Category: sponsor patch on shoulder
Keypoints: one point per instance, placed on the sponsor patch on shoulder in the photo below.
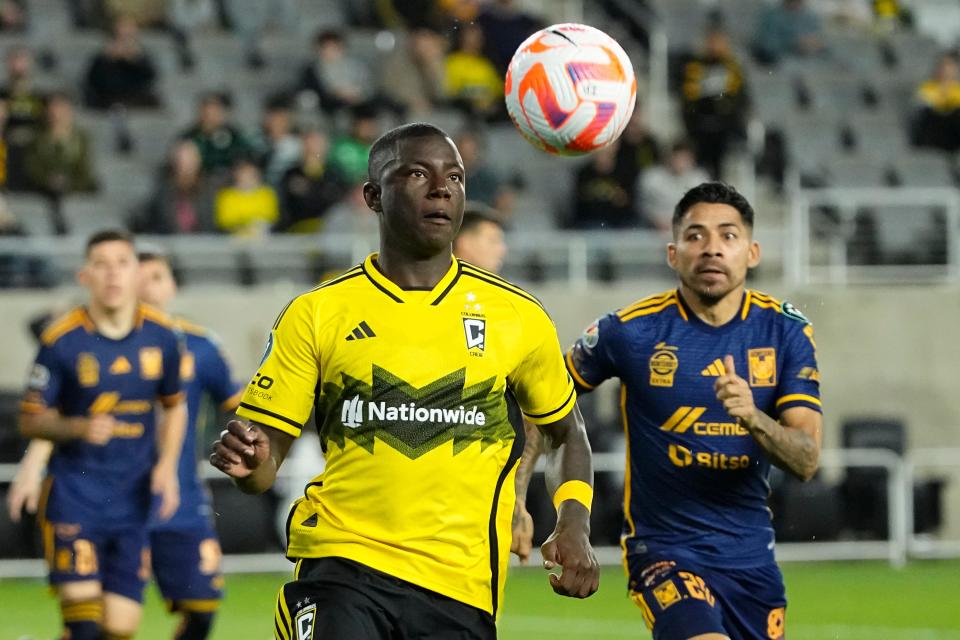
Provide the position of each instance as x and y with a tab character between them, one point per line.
788	309
591	335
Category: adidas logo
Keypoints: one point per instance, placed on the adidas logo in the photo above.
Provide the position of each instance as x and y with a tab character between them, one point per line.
361	331
715	369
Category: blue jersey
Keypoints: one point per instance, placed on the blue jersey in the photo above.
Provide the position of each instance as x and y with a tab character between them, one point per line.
203	370
81	373
696	481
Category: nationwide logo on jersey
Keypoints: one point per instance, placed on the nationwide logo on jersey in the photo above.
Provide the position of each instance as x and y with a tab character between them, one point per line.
120	366
715	369
663	365
88	370
763	367
151	363
414	420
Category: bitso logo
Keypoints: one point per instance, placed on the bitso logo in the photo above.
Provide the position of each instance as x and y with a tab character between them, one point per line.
475	330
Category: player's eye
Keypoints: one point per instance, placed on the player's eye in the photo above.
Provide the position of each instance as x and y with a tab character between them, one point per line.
456	177
416	173
730	235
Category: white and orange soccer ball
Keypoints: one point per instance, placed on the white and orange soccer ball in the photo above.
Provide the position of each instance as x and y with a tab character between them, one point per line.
570	89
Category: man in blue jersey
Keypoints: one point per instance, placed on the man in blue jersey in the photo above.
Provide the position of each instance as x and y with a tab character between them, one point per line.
185	550
717	382
100	374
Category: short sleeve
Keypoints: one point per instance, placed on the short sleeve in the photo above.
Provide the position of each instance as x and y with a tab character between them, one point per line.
800	376
281	393
169	389
540	382
45	382
218	379
590	360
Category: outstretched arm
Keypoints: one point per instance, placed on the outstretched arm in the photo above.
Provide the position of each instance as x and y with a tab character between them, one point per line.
569	477
793	444
251	454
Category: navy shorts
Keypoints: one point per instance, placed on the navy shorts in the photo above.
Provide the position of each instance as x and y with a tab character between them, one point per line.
680	599
187	567
116	557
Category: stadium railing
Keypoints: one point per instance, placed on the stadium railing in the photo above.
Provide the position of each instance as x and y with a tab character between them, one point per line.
901	545
828	225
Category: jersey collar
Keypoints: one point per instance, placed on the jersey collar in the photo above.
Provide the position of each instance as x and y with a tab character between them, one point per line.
694	320
372	270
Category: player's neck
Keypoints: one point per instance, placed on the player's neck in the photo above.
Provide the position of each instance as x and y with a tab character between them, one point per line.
113	323
715	313
413	273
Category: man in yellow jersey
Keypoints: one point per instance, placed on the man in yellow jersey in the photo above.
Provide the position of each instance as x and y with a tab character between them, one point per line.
406	359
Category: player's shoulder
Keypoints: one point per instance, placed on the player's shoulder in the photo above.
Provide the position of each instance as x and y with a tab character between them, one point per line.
196	334
151	316
760	306
491	283
650	309
342	287
72	321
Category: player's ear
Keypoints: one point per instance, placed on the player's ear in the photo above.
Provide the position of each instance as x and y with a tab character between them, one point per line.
753	258
371	195
672	255
81	276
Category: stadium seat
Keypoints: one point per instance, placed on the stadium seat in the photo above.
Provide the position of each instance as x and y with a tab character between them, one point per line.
804	511
881	134
923	169
855	172
32	212
864	489
87	214
244	523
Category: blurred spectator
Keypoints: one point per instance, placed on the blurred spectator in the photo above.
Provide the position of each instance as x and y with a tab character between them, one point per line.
182	198
639	149
714	100
858	13
413	75
58	161
250	19
145	13
602	198
409	14
337	79
480	238
122	73
184	19
276	145
788	29
483	182
660	186
220	143
246	206
88	14
471	81
309	189
13	16
936	120
505	27
348	155
3	144
25	112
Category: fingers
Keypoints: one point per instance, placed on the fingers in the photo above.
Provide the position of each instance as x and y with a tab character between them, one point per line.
578	579
14	504
33	501
242	431
729	367
169	504
551	556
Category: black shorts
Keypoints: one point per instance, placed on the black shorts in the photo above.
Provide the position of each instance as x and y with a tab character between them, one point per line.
335	598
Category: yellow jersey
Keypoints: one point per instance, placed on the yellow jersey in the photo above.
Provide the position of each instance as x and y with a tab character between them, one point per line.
408	389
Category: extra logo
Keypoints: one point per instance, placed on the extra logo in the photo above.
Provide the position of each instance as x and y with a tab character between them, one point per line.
763	367
475	330
663	365
304	622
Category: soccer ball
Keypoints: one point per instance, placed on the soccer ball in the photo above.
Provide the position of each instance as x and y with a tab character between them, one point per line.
570	89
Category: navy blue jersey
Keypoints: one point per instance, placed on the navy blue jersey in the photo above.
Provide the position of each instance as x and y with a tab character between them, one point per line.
203	370
695	479
81	373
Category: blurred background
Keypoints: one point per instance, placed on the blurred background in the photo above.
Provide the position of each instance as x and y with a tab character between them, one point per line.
233	134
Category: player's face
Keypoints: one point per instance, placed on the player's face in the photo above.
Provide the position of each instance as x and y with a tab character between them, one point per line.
110	273
420	196
713	250
484	247
157	286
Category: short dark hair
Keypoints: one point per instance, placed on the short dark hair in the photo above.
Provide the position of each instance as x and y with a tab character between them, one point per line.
325	36
107	235
386	145
474	216
149	255
713	193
